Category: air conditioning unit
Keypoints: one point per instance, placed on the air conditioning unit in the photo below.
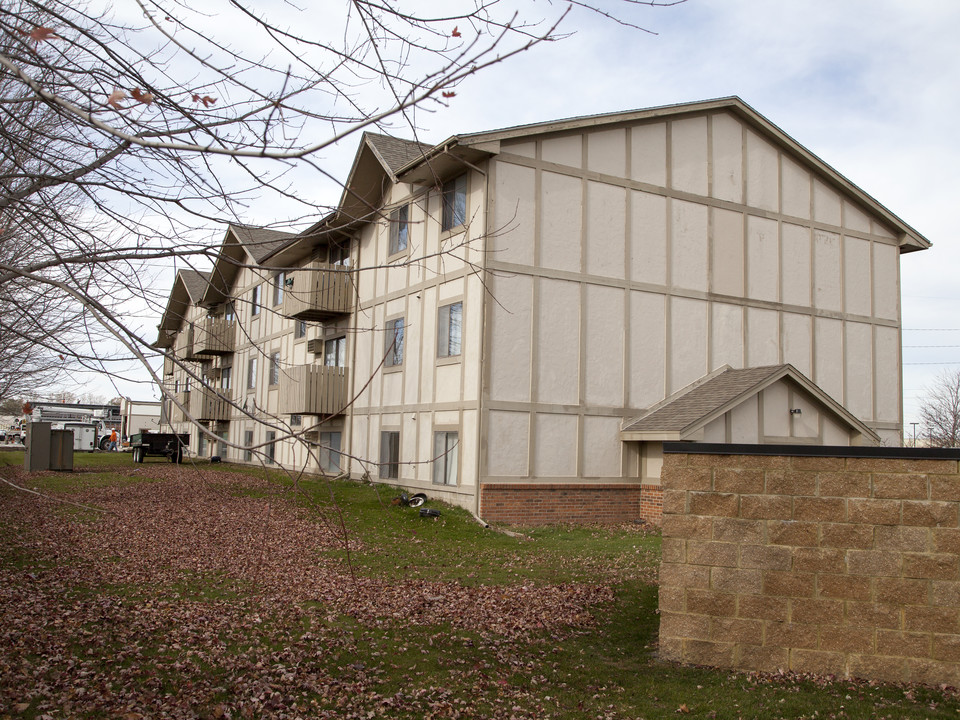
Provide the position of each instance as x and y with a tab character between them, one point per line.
315	346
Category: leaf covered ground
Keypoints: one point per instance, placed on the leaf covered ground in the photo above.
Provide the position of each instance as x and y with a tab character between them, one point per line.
192	592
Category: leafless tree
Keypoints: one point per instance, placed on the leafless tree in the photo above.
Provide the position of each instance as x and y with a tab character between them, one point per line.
126	126
940	411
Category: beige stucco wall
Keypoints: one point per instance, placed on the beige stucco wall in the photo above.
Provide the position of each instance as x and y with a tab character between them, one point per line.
641	258
425	393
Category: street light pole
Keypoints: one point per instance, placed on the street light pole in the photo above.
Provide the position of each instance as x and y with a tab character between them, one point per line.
914	433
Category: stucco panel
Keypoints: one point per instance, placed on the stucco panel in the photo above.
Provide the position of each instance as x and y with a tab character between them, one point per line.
392	388
566	150
526	148
558	351
886	278
796	188
448	383
647	349
511	238
726	336
854	218
688	249
745	421
807	423
796	265
648	154
763	259
776	410
606	225
727	136
828	370
560	220
555	438
833	432
688	154
763	173
648	238
856	275
827	271
797	333
858	354
509	318
715	431
887	344
607	152
468	449
603	325
727	251
826	203
763	337
688	346
508	435
601	447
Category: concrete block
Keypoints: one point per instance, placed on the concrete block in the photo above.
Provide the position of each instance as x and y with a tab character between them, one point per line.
814	611
874	563
873	667
819	560
945	488
738	481
735	580
945	593
791	482
900	591
673	550
872	615
843	587
844	484
737	530
900	486
709	552
766	557
902	539
817	464
928	513
684	576
844	535
686	526
931	565
789	584
714	504
711	602
873	512
763	608
766	507
684	625
790	635
946	540
818	662
717	654
672	599
930	619
793	533
737	630
763	658
904	644
847	639
816	509
686	478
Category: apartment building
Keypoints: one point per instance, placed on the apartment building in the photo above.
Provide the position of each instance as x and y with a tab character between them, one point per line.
516	320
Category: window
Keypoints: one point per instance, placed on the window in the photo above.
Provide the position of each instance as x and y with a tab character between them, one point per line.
454	203
202	444
300	329
247	444
222	444
225	375
271	448
393	343
251	373
330	452
255	302
399	229
445	458
449	330
278	281
274	368
389	454
229	313
339	253
296	420
335	352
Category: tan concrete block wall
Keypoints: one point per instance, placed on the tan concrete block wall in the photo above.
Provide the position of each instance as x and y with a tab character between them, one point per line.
848	566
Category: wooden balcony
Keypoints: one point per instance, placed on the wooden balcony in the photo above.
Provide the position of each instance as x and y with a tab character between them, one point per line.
214	336
319	291
206	405
186	348
313	390
167	366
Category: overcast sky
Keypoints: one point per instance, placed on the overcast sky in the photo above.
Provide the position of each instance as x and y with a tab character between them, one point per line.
870	86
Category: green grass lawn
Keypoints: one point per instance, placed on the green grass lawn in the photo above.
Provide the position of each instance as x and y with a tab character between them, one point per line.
392	669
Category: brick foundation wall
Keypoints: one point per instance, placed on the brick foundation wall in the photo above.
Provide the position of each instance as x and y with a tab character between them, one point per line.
849	566
543	504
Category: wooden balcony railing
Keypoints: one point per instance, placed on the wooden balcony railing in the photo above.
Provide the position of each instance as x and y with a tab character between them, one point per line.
205	405
167	366
319	291
313	390
214	336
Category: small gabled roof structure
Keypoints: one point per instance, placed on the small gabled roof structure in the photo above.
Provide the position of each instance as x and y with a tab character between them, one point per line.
188	289
242	245
682	415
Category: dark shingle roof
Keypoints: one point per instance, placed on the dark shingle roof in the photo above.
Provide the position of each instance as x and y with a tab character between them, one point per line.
196	283
260	242
686	407
396	152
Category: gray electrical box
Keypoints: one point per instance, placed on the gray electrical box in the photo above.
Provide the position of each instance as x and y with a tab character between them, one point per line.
48	449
